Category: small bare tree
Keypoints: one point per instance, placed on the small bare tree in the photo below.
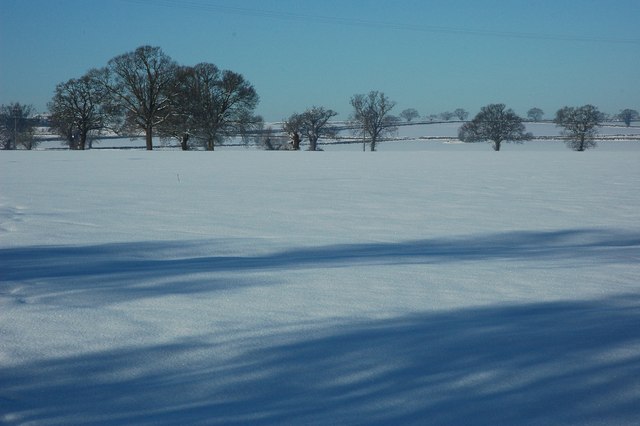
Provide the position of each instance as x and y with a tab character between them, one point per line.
371	115
496	124
266	140
292	126
409	114
17	127
314	125
580	125
535	114
628	115
446	116
461	114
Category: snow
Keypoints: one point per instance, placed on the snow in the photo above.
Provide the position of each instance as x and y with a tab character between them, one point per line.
428	283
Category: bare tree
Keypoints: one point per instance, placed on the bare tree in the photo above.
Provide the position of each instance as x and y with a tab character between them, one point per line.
535	114
580	125
230	105
179	124
292	126
371	113
409	114
7	134
209	106
446	116
266	141
461	114
17	127
77	109
314	125
140	85
628	115
496	124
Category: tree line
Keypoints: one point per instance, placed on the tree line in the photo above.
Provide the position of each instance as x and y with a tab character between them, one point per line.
145	92
494	123
497	124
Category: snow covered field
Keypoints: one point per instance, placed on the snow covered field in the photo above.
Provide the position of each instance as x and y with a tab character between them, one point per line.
453	285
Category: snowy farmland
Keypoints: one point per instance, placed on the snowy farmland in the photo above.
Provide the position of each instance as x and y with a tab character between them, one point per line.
451	285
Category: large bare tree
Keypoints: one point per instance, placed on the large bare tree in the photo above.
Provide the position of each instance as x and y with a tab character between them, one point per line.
226	108
77	109
494	123
210	106
371	116
141	84
580	125
182	121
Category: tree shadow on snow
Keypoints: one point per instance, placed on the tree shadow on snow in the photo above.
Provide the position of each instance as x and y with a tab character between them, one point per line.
562	363
581	245
125	271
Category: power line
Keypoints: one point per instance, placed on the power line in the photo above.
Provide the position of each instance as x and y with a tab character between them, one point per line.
353	22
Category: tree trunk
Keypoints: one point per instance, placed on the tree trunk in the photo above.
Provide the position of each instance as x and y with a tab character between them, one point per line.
70	140
296	142
149	138
210	145
268	144
496	145
373	144
83	141
183	142
313	144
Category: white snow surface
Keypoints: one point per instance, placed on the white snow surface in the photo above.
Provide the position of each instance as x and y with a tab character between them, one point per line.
448	286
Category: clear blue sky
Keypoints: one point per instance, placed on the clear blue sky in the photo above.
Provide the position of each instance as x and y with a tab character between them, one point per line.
429	55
